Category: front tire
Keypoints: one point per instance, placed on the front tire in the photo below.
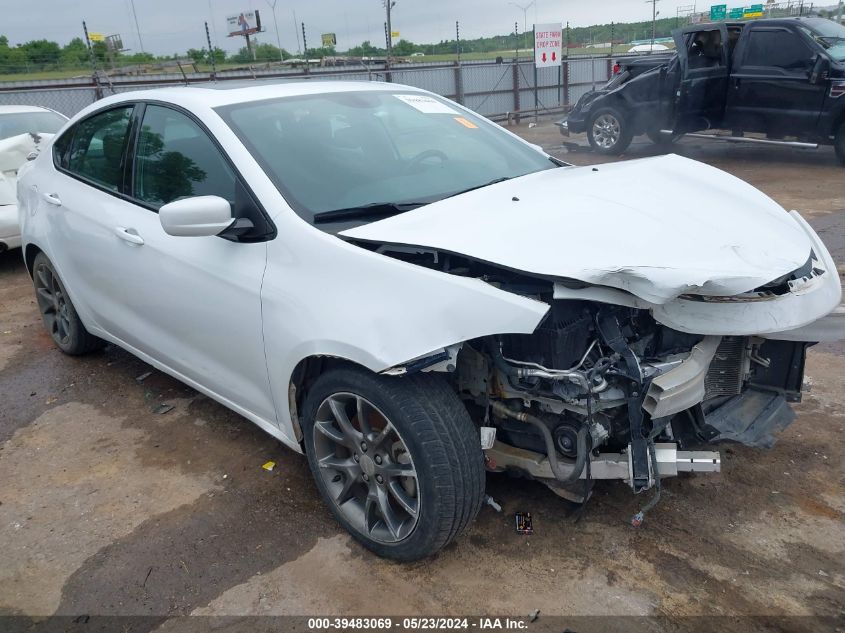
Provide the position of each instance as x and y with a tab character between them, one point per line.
839	143
396	459
608	132
57	311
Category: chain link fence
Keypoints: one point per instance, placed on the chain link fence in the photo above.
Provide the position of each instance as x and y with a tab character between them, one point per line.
502	91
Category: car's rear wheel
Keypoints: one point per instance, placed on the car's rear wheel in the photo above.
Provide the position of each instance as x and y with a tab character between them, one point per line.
57	311
608	131
839	143
397	459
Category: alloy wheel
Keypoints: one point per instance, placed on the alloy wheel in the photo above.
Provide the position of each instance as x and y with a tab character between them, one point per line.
53	304
366	468
606	131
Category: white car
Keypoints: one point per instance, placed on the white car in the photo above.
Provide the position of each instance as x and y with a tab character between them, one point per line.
22	131
410	294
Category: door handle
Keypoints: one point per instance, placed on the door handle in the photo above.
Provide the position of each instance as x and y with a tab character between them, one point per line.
128	235
52	198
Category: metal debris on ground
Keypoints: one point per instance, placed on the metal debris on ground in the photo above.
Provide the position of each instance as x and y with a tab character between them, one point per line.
534	615
524	524
269	466
492	503
162	409
143	376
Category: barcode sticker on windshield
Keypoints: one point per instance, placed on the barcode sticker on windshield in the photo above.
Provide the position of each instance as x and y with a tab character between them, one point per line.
426	104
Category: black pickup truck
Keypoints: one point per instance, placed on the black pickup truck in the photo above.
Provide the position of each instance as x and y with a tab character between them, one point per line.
776	81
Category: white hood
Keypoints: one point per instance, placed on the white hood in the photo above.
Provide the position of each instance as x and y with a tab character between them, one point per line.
655	227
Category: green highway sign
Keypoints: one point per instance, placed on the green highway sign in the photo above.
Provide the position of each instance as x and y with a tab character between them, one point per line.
754	11
736	14
718	12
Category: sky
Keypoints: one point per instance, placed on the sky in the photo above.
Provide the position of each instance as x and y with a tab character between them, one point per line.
170	26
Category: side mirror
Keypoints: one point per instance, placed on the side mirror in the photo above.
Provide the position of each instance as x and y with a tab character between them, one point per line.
200	216
821	69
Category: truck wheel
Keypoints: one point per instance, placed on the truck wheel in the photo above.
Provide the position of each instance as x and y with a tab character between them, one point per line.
839	143
609	132
397	460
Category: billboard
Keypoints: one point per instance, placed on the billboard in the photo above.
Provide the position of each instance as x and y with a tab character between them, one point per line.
244	23
329	39
548	45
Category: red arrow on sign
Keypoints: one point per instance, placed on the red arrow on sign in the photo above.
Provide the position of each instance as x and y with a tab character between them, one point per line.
554	56
544	57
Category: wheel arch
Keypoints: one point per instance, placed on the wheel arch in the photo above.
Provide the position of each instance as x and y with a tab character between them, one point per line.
303	376
29	254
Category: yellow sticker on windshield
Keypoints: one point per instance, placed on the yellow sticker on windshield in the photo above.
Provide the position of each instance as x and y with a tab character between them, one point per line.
466	122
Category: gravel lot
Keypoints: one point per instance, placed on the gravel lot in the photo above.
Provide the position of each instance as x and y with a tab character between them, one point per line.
108	508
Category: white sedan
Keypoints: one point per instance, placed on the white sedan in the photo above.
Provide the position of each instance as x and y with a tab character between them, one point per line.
22	131
411	295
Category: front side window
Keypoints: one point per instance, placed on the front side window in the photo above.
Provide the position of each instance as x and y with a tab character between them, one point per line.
778	49
347	150
829	35
97	147
175	159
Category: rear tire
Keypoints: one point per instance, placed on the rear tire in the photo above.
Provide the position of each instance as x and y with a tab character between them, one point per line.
57	311
407	496
609	132
839	143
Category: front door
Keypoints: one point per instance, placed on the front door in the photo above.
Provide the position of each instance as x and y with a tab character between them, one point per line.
770	89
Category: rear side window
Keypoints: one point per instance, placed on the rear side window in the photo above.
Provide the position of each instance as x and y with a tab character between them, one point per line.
97	147
176	159
777	49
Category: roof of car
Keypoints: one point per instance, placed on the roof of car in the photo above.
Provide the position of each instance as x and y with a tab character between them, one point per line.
18	109
221	93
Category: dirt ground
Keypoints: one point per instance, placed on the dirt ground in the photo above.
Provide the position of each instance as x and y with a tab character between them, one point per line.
110	508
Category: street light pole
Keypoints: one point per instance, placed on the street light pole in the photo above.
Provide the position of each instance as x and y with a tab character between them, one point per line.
524	18
137	28
272	6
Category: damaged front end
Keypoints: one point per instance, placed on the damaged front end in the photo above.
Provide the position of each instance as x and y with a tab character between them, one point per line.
606	392
601	390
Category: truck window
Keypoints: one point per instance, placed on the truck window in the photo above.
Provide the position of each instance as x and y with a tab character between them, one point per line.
705	49
777	49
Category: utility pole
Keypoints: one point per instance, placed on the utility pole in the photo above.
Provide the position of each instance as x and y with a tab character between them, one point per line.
211	52
653	4
839	13
388	5
524	9
296	30
137	30
272	6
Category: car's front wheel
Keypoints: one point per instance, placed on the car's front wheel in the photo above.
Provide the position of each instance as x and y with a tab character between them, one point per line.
608	131
397	459
58	313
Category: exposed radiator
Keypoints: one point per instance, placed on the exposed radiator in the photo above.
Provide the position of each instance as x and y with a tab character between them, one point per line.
728	368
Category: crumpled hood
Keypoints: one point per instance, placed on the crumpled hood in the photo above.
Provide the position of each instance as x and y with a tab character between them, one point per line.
656	227
13	153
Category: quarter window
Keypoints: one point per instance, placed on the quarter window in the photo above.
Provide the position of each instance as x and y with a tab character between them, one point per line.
176	159
97	147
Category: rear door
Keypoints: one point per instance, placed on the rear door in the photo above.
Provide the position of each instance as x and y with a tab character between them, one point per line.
770	89
704	69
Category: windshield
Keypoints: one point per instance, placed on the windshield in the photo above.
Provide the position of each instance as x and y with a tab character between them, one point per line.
830	35
346	150
16	123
